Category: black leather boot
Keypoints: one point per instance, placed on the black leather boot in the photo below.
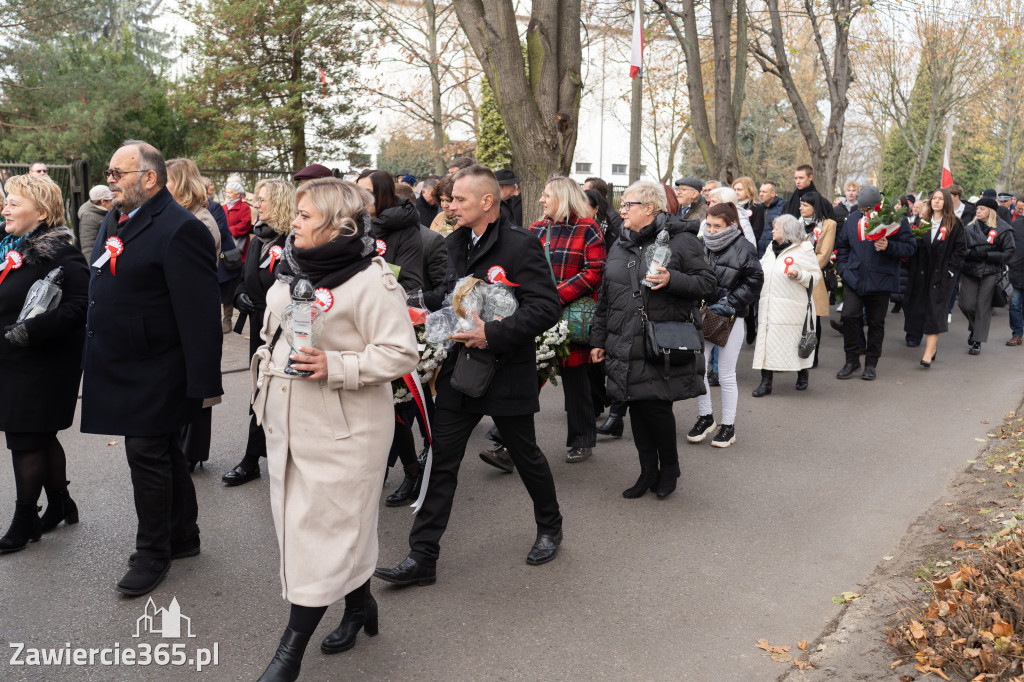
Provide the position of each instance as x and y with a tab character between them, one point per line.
287	662
360	613
24	528
801	380
648	481
408	490
59	507
766	384
613	424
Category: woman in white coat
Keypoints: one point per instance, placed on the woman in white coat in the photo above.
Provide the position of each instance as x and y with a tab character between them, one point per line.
790	268
328	434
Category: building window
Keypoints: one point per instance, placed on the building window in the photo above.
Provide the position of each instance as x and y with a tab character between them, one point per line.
620	169
582	167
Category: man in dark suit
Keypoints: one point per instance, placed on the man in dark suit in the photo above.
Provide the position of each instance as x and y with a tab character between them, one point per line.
511	202
152	351
489	248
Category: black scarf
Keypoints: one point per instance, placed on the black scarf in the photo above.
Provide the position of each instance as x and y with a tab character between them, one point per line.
328	265
779	248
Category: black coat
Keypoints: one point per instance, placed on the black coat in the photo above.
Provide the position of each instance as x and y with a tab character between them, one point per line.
617	325
153	334
514	390
970	210
738	273
931	273
613	228
984	259
512	209
41	380
399	228
866	270
435	258
793	203
1017	260
426	210
257	280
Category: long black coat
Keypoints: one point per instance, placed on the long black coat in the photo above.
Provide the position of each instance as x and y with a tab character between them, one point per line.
153	334
617	325
514	390
435	258
739	275
1017	260
41	380
931	273
984	259
512	209
398	228
256	281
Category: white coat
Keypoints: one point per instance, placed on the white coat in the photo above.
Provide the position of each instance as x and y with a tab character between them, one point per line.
328	439
783	307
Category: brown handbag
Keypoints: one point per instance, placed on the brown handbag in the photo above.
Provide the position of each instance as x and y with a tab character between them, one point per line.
716	328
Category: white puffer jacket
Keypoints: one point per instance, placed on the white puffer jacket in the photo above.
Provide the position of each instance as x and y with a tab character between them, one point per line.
783	307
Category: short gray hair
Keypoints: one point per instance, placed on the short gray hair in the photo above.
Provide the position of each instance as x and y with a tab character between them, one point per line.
792	229
150	158
648	192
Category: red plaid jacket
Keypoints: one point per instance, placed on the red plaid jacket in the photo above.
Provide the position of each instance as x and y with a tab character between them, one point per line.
578	255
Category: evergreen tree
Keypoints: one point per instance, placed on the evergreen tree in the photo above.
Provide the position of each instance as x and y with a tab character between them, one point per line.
493	148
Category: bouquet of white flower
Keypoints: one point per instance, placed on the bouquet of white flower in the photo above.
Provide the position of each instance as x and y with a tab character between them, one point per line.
552	345
431	357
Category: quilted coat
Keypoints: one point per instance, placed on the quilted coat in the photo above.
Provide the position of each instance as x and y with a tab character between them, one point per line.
738	273
783	307
617	325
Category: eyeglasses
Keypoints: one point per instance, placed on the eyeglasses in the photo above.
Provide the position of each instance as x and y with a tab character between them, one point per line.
624	206
116	175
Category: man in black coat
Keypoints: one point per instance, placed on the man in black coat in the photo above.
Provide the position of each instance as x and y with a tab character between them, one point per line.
803	178
487	247
511	202
152	351
1016	266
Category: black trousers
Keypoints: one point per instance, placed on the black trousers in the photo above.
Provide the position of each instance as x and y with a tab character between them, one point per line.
579	407
451	433
165	499
598	392
870	306
654	434
196	436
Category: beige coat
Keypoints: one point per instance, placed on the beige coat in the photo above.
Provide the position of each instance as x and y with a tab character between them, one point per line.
328	439
823	250
783	307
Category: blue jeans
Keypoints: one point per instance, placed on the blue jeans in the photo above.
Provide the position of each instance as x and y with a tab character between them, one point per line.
1016	313
713	360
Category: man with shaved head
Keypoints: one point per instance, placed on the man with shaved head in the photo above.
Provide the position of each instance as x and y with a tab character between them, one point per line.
491	249
152	351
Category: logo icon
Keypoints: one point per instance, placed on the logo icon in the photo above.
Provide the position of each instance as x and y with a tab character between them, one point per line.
164	622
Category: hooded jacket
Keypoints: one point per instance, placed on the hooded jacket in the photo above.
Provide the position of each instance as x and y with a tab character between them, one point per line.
397	231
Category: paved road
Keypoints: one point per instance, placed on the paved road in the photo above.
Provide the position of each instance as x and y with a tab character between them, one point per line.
819	486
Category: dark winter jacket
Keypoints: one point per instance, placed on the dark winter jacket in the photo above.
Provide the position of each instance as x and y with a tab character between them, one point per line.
1017	260
842	211
738	273
397	231
41	380
512	209
613	228
257	279
426	210
90	217
617	325
967	217
153	331
435	258
793	203
931	274
866	270
767	216
226	242
514	389
984	258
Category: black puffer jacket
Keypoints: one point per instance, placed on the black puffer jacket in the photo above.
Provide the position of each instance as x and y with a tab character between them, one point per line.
398	228
983	258
739	274
617	325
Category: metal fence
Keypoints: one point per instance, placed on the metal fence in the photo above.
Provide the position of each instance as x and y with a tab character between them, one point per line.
72	180
249	177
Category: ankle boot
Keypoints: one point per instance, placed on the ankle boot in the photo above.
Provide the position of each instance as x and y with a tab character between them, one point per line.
766	384
360	613
801	380
612	425
648	481
24	528
59	507
408	490
285	665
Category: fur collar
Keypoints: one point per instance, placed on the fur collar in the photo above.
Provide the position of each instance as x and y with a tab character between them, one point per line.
43	243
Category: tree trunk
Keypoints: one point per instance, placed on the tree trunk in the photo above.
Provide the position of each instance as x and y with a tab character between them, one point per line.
1009	161
437	123
297	119
538	99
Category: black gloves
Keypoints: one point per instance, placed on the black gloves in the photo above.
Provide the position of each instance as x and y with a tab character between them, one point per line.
244	304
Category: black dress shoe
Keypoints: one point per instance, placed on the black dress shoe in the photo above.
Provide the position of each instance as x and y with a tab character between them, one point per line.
847	371
143	577
240	475
499	458
407	492
612	426
409	572
287	661
835	325
184	550
544	549
869	373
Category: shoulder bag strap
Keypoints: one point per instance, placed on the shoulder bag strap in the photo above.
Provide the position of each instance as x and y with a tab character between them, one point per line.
634	282
547	251
809	316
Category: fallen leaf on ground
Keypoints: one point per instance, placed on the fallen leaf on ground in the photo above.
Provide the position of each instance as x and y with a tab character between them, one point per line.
782	658
802	645
1002	629
942	529
959	545
896	664
922	668
845	597
804	665
763	644
113	442
917	629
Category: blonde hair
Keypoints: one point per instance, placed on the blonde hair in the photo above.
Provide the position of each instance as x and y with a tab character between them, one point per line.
189	190
749	188
342	204
569	197
852	184
648	192
281	201
993	218
41	191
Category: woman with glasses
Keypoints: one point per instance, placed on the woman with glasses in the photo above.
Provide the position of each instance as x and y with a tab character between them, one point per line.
239	215
275	209
671	292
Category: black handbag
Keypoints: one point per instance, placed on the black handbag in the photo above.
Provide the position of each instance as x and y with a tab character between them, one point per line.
808	339
232	260
474	371
668	342
1003	291
830	277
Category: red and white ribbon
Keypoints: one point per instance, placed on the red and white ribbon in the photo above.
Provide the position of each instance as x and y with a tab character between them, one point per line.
13	261
273	257
496	275
991	236
942	233
412	382
382	247
817	234
324	299
862	228
115	247
788	261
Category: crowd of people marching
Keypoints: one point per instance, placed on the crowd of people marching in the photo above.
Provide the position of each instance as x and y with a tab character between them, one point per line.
664	293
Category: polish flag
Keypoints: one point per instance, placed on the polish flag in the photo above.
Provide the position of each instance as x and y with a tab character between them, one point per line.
636	57
947	175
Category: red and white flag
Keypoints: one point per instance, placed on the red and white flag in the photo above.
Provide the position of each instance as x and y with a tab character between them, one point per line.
636	56
947	175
